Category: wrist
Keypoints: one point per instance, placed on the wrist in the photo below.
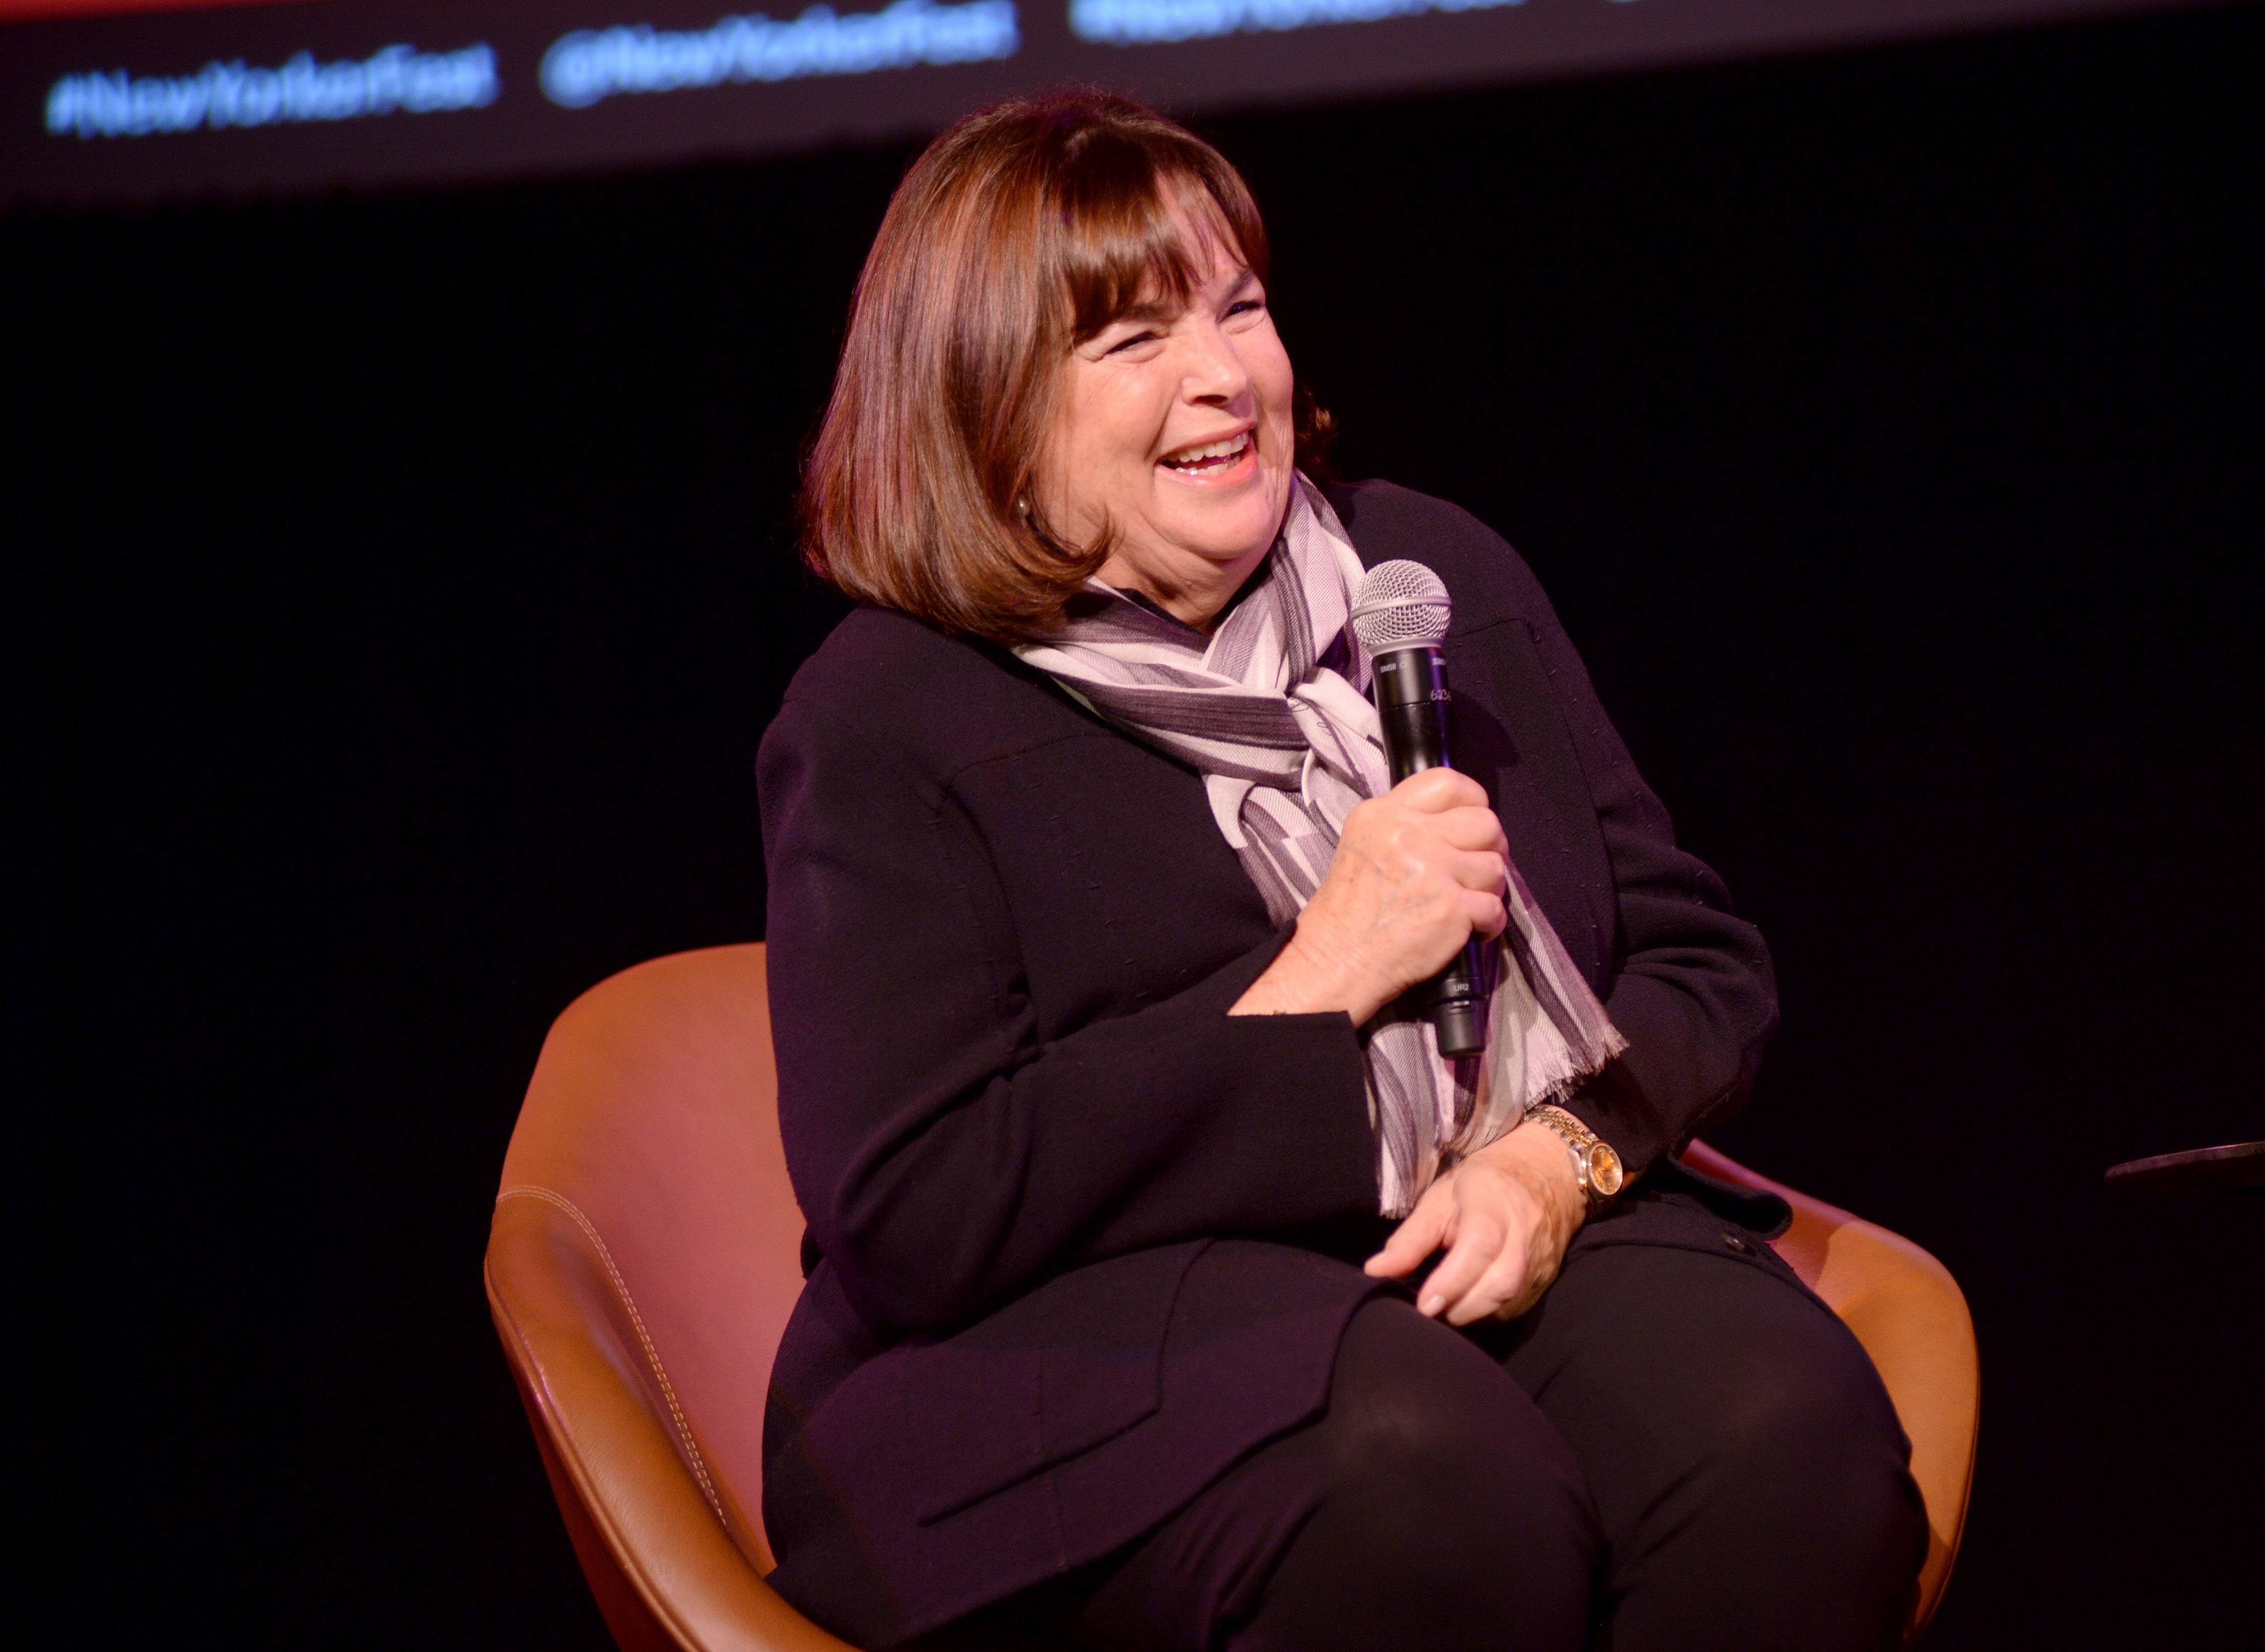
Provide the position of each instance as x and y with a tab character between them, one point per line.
1333	980
1593	1163
1539	1157
1536	1160
1305	979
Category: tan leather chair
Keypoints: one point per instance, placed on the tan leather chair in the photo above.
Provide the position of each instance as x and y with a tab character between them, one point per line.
644	1258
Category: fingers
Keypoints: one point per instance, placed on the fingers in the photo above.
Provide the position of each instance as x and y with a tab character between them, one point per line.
1405	821
1500	1258
1489	916
1465	825
1478	1243
1437	790
1540	1275
1471	828
1414	853
1475	868
1508	1284
1481	881
1417	872
1415	1238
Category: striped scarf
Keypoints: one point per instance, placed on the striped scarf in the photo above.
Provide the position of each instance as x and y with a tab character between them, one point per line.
1272	709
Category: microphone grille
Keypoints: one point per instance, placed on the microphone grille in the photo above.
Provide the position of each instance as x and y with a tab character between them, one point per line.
1400	605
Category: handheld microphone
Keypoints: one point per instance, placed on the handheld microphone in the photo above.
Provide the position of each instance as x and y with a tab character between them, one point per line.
1399	615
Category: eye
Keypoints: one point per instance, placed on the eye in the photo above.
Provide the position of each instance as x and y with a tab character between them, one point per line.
1144	336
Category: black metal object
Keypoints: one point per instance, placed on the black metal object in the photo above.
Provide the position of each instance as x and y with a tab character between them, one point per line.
1411	701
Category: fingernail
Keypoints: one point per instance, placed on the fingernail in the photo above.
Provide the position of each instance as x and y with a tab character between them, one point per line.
1430	1307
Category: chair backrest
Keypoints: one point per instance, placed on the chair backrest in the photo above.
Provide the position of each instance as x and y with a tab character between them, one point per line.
645	1256
1912	1319
642	1266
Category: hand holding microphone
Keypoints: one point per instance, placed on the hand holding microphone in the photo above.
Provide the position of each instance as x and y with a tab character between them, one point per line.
1418	873
1400	617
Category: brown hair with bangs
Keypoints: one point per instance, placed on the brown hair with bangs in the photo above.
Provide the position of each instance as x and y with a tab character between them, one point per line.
1022	231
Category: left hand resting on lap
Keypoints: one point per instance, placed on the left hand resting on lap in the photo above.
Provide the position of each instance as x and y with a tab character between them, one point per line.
1505	1215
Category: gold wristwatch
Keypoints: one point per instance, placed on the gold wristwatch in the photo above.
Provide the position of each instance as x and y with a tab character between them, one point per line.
1596	1163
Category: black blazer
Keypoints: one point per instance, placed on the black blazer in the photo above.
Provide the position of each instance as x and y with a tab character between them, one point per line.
1079	1240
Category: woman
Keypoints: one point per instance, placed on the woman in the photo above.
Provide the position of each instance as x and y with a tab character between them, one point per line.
1166	1290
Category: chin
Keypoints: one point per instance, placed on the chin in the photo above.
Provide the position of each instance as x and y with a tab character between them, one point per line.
1225	539
1234	527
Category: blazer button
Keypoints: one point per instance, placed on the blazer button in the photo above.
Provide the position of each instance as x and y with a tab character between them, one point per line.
1740	1243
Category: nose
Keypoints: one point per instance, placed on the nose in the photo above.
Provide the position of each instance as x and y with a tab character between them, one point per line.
1214	373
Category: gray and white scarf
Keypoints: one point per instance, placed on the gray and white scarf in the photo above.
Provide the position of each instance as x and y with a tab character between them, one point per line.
1272	708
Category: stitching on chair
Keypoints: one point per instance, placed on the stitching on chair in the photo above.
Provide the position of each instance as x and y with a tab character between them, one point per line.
651	1354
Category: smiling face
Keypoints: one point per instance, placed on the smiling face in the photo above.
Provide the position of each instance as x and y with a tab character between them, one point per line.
1173	429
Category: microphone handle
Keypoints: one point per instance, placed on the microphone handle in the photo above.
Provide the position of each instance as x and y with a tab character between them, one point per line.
1412	703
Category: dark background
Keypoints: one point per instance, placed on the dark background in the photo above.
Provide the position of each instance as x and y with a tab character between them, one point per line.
399	588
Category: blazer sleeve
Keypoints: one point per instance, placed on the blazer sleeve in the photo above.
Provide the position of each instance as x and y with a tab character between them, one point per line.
946	1156
1693	989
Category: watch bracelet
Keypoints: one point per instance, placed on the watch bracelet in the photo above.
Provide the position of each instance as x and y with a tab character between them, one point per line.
1580	1141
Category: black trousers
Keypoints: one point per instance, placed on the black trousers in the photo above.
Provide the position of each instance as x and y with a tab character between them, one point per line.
1680	1448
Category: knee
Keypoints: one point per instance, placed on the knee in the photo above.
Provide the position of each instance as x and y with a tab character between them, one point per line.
1412	1467
1812	1462
1426	1427
1414	1542
1815	1433
1438	1491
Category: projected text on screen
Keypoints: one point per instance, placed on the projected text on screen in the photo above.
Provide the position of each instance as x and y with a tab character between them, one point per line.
541	86
398	79
590	64
1151	22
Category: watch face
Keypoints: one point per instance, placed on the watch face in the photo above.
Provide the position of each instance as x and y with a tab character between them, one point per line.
1605	1172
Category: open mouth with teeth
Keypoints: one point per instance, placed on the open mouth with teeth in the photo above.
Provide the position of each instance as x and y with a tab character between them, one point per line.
1210	458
